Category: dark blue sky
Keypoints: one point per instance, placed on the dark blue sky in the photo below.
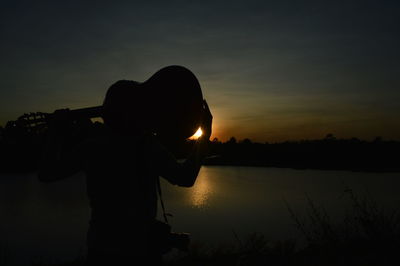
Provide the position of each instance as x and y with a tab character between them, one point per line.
270	70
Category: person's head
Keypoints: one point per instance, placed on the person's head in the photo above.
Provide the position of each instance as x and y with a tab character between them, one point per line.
122	107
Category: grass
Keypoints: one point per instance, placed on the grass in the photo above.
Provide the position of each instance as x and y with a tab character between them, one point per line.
254	250
368	234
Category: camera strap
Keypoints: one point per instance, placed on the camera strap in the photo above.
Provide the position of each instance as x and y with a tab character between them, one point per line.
158	185
165	214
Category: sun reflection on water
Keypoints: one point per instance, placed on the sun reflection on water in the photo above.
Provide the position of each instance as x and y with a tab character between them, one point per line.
201	191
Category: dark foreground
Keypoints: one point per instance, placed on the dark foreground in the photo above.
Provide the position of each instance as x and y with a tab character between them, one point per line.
367	235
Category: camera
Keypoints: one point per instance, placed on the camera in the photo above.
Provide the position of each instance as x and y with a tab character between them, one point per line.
164	239
180	241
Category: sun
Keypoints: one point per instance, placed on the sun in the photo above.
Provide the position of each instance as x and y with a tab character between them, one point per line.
197	135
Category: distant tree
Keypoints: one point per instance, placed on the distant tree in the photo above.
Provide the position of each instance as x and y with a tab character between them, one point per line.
330	136
355	140
378	139
216	141
246	141
232	140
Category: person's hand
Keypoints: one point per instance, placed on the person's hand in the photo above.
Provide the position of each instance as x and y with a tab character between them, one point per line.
206	121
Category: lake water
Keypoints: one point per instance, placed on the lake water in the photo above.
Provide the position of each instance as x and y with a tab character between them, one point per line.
49	221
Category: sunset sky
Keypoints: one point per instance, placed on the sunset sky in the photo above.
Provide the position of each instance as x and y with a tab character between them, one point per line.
270	70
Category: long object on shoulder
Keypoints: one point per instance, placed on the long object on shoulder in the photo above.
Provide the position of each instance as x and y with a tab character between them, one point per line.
171	100
39	119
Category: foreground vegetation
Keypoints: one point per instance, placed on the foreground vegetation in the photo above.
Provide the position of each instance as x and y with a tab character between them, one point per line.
367	235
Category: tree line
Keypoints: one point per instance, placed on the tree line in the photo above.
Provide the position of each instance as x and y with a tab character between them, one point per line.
329	153
20	150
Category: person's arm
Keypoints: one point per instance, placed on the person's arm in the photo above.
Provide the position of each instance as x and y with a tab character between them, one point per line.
185	173
61	155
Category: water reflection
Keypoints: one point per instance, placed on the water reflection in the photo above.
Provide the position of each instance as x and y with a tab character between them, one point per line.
50	220
201	192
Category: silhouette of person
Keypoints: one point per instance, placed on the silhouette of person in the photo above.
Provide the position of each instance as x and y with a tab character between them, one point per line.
122	164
